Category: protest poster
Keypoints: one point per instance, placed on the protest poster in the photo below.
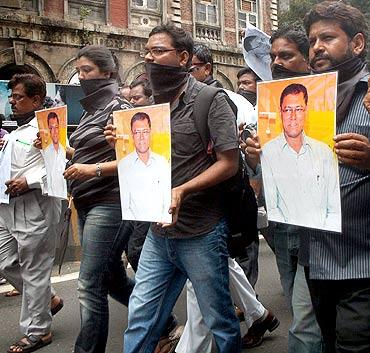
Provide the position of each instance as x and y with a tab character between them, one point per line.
52	124
296	126
143	152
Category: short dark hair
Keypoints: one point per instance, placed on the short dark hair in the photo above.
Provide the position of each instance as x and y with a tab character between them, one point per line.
144	83
102	57
140	116
349	19
53	115
294	34
204	54
33	85
294	88
247	70
181	40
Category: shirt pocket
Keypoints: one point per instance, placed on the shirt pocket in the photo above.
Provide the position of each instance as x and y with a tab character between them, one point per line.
185	139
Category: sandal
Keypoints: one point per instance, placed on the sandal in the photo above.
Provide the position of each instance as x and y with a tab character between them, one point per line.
33	343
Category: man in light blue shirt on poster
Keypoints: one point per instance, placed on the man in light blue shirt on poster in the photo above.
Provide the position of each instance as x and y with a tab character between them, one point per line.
300	174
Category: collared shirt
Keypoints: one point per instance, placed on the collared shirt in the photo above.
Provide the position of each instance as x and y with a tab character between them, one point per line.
200	211
145	188
27	160
347	256
55	162
301	188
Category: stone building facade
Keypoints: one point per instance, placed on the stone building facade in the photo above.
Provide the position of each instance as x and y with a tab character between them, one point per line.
43	36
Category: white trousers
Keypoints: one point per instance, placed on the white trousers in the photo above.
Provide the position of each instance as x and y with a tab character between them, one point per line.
27	247
197	338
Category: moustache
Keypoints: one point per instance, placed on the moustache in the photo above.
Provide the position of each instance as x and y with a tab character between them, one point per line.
318	57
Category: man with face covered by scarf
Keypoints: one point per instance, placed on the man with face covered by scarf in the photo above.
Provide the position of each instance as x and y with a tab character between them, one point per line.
339	265
194	245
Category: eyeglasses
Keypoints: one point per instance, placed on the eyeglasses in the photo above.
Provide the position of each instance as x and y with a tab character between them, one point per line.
297	110
155	52
16	97
139	132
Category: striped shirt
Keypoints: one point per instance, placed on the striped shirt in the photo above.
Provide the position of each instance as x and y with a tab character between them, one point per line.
336	256
91	147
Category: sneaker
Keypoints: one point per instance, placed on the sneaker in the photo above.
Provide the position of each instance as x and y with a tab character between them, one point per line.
254	336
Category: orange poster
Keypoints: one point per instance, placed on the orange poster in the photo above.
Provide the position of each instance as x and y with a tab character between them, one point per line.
53	132
296	126
143	152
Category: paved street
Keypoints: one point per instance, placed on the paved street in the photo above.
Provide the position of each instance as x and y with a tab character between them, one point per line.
66	323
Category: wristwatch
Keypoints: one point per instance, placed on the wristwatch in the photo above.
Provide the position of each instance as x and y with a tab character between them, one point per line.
98	170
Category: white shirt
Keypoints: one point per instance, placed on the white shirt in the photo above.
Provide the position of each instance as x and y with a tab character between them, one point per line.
145	189
246	113
55	163
301	188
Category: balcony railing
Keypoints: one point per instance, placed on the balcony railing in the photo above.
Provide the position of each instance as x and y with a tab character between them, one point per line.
210	34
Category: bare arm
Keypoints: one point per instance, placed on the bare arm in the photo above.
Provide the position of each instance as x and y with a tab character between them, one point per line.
87	171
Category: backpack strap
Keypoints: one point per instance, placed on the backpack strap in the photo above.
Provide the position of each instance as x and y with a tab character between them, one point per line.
202	104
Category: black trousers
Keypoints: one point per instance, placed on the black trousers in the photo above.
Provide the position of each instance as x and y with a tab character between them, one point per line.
138	231
342	309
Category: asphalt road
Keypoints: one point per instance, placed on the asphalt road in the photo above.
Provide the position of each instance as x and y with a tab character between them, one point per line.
66	323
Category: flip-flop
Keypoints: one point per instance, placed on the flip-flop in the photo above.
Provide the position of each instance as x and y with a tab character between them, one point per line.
34	343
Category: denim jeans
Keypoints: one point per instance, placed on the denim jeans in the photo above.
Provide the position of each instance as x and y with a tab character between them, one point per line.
103	238
304	333
164	266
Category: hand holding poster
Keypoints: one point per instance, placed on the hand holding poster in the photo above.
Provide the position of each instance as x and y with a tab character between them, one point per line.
143	152
296	125
53	132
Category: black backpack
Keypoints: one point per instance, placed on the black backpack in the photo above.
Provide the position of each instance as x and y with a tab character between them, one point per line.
239	200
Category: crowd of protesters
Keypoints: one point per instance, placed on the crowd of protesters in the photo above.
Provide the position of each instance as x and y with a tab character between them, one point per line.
325	276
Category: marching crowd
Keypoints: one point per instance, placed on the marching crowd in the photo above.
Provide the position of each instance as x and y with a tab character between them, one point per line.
325	275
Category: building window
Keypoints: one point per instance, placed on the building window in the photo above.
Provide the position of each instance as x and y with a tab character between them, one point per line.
247	13
27	5
146	4
207	12
31	5
93	10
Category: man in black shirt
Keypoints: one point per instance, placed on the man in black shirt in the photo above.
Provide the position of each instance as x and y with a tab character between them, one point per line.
194	245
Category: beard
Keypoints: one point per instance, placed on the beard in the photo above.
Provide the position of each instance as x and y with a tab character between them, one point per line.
333	62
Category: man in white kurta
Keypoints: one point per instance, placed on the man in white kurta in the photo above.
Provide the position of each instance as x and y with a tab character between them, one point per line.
300	174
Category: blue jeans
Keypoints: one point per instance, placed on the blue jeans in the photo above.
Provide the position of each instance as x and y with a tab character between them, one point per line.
103	238
164	266
304	333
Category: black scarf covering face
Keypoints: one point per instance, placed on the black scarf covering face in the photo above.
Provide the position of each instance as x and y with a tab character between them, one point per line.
99	92
279	72
251	97
166	81
349	73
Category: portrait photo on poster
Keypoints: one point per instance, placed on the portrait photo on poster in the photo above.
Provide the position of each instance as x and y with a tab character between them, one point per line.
143	151
296	126
52	124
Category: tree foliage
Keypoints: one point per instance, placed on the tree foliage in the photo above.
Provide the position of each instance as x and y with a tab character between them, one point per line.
298	9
